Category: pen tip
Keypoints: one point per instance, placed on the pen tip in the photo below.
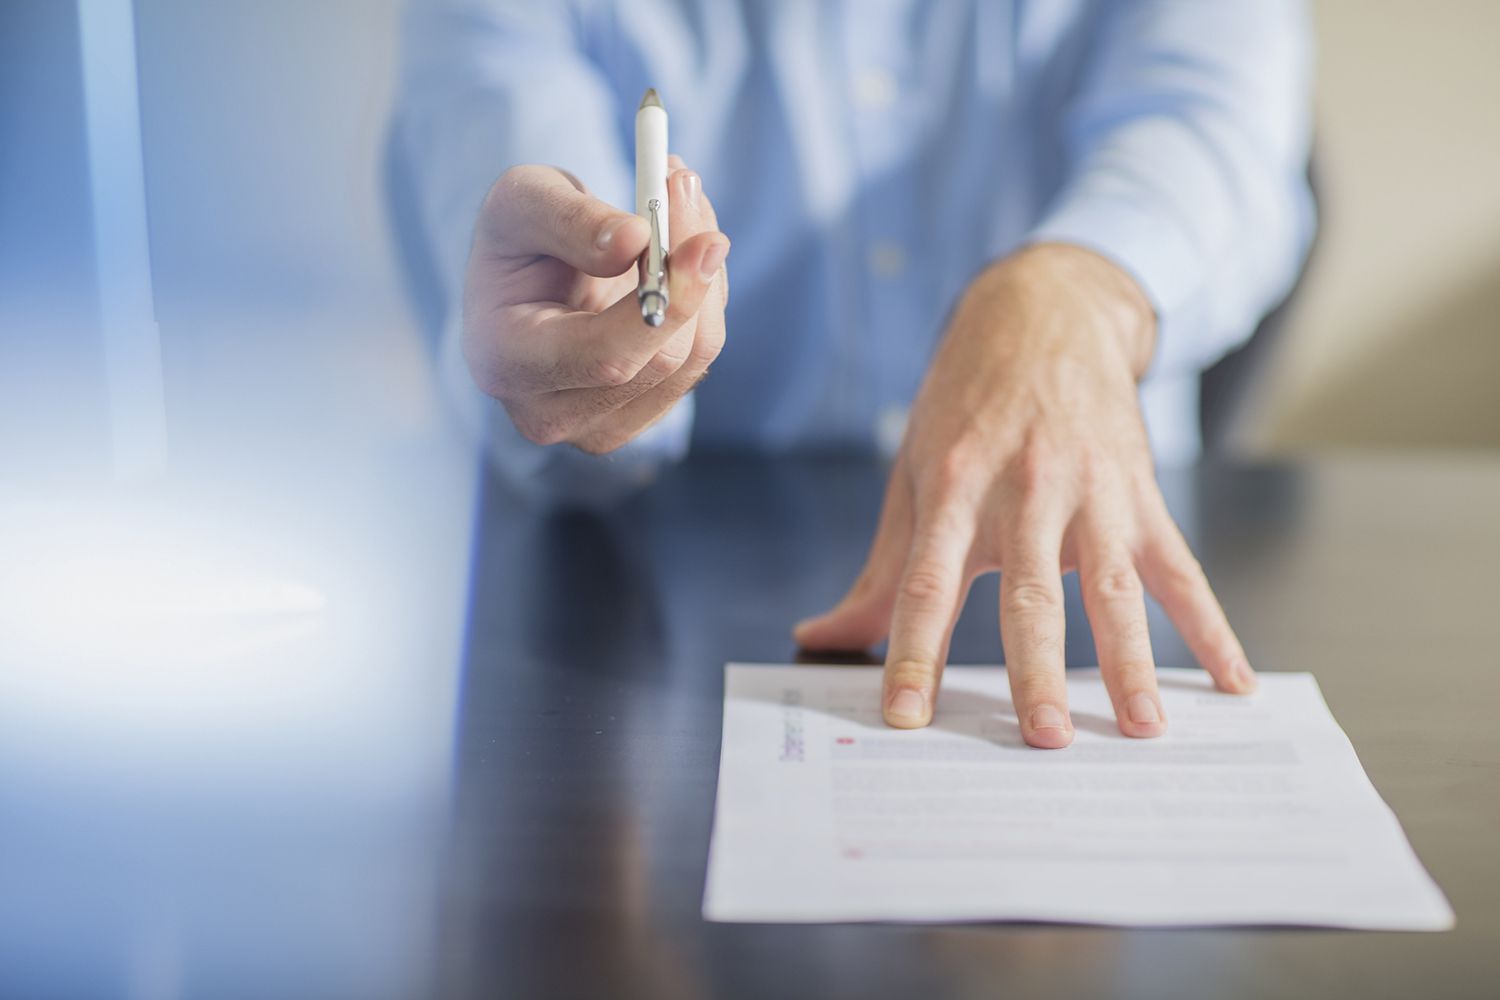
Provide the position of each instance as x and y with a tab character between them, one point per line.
650	100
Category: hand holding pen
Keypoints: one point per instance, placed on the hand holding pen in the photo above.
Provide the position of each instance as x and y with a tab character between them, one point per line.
554	298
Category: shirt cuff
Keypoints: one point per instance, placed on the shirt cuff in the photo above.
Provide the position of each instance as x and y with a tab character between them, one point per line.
1158	255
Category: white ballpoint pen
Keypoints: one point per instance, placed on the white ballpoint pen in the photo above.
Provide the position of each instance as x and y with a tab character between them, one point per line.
651	203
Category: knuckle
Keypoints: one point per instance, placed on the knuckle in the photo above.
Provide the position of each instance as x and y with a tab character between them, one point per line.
611	372
704	355
602	443
1116	583
951	474
924	584
666	361
539	430
1030	597
1094	473
524	422
550	434
1035	467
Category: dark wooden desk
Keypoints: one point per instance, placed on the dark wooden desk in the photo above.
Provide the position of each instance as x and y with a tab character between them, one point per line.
590	716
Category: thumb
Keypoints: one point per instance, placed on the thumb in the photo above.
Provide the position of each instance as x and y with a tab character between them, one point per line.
535	210
863	617
859	621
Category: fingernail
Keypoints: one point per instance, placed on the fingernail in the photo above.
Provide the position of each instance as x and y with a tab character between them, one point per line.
908	705
691	185
607	234
1141	708
713	259
1048	717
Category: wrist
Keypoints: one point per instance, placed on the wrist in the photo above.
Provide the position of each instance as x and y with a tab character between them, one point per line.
1112	303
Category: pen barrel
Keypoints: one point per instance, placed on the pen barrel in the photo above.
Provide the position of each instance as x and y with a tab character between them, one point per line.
652	292
651	166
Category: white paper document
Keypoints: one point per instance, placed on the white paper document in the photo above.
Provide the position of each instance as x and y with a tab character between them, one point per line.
1251	810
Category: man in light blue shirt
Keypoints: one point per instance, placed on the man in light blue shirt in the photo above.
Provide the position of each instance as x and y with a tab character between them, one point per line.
997	239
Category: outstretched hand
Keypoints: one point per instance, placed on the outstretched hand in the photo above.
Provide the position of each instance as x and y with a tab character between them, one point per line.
1026	453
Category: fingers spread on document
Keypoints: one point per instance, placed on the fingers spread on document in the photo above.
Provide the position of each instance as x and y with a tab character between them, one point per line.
1116	605
1172	573
934	580
1032	621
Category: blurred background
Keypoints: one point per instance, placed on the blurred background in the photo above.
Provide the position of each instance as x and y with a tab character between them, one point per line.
1394	339
1392	342
230	639
264	126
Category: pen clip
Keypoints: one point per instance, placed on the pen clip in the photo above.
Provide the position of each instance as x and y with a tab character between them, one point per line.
652	292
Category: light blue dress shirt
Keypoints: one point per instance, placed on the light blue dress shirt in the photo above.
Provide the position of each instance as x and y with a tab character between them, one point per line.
867	158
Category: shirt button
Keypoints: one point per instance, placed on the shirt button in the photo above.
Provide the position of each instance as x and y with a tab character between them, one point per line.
874	89
887	259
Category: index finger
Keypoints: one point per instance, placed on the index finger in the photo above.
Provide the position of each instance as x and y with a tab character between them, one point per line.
535	210
927	602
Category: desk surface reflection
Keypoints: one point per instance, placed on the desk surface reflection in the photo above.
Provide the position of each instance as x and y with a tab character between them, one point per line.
590	715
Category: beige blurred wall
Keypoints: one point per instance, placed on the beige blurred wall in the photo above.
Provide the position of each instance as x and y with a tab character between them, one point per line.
1394	340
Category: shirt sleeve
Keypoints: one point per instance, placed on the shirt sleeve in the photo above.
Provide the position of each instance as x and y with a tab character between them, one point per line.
486	85
1187	145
